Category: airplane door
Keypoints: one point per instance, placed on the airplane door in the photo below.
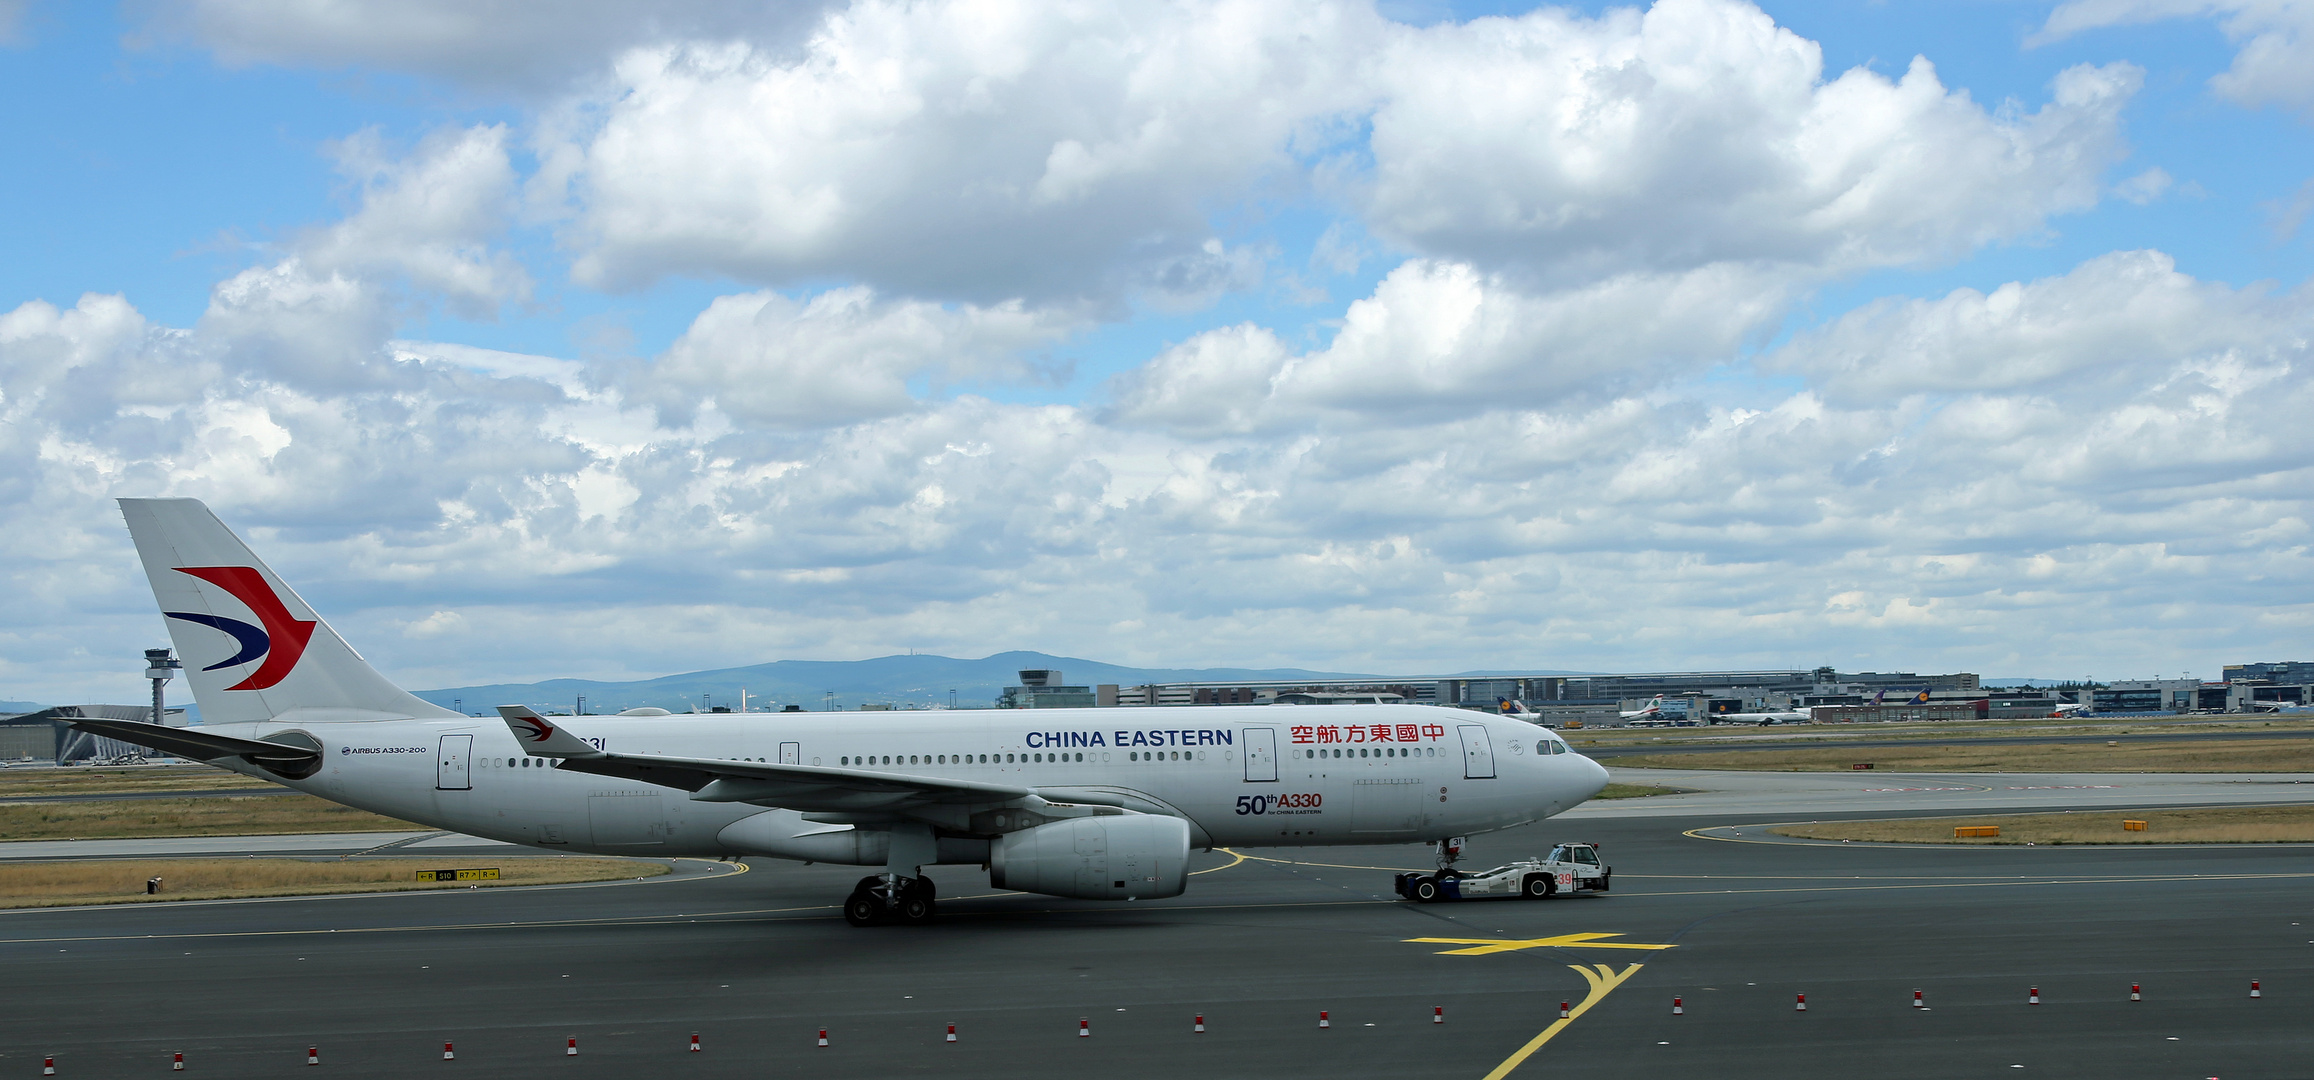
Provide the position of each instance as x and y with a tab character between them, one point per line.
453	762
1477	753
1261	753
789	753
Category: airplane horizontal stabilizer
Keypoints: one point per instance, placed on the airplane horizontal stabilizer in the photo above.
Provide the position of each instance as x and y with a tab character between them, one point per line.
194	743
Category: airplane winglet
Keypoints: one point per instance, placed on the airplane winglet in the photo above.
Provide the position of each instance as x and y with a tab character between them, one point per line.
543	738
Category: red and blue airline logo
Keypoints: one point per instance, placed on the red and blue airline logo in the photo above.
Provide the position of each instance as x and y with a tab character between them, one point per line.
281	640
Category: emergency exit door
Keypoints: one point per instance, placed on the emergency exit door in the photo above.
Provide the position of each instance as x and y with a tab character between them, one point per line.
1261	753
790	753
452	763
1477	753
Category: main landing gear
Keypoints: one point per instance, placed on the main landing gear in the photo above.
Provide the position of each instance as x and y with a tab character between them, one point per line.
889	898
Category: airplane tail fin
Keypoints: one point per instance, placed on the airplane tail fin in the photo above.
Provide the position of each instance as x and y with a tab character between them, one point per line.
253	649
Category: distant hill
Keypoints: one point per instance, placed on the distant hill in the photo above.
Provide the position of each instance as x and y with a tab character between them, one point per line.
893	680
20	706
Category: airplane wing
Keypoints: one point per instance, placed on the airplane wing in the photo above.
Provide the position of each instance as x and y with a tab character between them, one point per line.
193	742
808	788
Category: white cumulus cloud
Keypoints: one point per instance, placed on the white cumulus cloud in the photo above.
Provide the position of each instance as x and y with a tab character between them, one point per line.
2274	61
1701	132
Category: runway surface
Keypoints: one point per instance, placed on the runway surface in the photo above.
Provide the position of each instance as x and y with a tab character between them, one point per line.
757	963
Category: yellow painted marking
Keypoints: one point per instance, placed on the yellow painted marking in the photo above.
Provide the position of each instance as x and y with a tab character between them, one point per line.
1489	946
1239	858
1603	980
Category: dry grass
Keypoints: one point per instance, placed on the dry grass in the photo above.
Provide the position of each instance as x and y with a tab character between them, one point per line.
245	815
1835	734
106	881
1637	791
79	780
2242	755
2208	825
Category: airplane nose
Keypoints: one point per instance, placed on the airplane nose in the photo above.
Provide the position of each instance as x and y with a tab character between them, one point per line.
1598	776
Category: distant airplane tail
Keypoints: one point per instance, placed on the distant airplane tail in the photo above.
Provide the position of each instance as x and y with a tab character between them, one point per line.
253	649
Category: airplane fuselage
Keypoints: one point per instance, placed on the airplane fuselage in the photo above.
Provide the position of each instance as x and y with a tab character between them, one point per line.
1269	776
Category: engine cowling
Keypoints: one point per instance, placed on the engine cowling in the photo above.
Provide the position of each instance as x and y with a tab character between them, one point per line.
1110	857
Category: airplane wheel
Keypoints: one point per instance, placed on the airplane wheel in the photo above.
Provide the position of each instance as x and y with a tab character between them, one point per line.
1426	890
916	904
863	909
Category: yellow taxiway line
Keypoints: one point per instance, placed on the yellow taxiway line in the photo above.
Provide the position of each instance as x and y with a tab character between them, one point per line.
1603	980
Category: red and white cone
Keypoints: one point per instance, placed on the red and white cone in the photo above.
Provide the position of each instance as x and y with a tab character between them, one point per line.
313	1055
177	1062
449	1054
823	1036
1917	1001
48	1066
2254	988
571	1050
1562	1010
1084	1028
1677	1009
694	1042
1438	1014
1322	1021
951	1033
1199	1027
1802	1006
2133	992
2033	997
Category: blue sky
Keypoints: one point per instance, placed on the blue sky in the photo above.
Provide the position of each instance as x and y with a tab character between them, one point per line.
1420	337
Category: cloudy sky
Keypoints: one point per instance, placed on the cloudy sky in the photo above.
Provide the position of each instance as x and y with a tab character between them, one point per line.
536	340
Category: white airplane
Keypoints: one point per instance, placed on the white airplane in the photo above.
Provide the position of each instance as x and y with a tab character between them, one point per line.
1089	803
1654	707
1786	716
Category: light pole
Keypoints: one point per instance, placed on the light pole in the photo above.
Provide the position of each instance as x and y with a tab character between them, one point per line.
160	667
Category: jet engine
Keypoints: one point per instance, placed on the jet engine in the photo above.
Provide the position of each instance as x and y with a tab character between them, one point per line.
1109	857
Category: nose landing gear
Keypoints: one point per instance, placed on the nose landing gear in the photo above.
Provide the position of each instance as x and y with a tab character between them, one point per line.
889	898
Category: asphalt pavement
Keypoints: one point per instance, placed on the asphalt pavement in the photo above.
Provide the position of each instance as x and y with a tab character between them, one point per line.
757	963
